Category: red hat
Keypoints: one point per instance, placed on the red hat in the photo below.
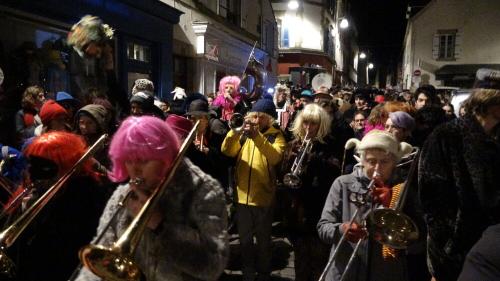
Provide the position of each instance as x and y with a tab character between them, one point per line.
379	98
182	126
51	110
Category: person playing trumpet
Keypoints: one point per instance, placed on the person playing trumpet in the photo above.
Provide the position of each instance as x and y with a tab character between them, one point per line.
379	152
186	234
258	148
313	178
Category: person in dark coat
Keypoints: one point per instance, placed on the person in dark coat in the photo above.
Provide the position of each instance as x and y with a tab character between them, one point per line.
458	180
206	149
483	260
48	248
317	172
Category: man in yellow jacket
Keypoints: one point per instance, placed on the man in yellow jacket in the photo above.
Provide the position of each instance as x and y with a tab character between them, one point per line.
258	149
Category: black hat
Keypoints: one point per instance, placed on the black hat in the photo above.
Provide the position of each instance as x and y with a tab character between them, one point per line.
198	107
487	79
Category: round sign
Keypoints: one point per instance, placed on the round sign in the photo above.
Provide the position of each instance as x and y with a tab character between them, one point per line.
417	72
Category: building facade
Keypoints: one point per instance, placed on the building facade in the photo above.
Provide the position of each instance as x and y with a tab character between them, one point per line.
311	41
448	40
215	38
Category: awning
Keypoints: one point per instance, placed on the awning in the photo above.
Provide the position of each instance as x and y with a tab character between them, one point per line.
461	71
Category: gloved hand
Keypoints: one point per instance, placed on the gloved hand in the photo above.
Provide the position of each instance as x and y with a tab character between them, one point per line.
354	233
382	195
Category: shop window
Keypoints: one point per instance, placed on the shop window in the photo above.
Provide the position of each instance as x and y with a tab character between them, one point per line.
138	52
37	54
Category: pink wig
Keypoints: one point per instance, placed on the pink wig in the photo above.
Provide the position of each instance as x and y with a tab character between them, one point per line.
138	139
235	80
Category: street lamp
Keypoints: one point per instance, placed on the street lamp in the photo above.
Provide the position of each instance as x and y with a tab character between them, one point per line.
362	56
344	23
369	66
293	5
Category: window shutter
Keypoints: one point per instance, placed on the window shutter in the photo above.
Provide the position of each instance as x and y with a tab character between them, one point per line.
458	45
435	46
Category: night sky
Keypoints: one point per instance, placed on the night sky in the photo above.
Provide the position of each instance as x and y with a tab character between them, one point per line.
381	26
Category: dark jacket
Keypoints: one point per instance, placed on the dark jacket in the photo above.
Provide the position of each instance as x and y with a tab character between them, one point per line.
319	171
458	189
214	162
48	248
483	260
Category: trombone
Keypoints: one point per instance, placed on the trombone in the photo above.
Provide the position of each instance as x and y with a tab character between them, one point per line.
389	227
116	262
12	232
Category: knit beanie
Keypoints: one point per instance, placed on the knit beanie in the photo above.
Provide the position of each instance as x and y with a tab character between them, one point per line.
265	106
98	113
143	85
377	139
51	110
403	120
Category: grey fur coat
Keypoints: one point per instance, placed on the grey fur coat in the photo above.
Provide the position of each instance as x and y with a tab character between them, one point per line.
191	243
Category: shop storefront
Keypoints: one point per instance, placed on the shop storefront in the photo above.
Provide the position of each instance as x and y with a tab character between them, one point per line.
219	54
33	49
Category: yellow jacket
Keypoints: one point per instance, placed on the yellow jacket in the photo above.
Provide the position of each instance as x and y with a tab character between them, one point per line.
256	164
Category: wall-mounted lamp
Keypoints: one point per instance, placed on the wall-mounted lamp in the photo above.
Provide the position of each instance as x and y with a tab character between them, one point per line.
362	56
293	5
344	23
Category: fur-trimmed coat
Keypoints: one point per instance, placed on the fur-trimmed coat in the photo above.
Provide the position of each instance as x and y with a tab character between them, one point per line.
459	190
191	243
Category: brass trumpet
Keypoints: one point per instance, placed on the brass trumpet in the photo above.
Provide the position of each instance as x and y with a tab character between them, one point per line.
237	122
292	179
115	262
12	232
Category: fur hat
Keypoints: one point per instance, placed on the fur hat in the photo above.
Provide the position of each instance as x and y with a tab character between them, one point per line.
380	140
143	85
98	113
51	110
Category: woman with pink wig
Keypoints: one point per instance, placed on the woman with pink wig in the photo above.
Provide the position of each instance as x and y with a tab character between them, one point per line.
186	235
229	96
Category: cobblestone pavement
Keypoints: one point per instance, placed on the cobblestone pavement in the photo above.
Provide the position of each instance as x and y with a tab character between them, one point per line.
282	261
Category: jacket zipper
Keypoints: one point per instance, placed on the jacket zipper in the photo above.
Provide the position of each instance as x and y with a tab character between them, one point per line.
250	173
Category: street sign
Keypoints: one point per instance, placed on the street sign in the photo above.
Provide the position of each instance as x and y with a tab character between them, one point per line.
417	72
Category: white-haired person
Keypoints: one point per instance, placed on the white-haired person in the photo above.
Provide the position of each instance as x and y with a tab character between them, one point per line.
258	149
186	235
316	174
379	152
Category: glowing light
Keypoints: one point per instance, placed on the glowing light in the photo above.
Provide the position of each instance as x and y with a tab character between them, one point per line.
200	44
270	91
293	5
370	66
362	55
344	23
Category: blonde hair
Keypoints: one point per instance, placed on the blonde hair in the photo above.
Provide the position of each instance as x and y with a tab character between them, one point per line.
315	114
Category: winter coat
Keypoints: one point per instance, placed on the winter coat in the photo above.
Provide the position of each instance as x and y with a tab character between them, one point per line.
27	130
319	170
191	242
48	248
337	210
214	162
256	163
459	192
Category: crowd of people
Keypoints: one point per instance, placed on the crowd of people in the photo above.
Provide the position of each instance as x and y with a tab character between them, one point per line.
319	161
